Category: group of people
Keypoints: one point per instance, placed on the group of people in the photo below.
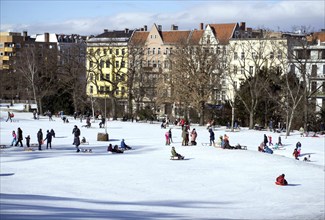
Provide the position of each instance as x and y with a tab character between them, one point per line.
117	149
17	138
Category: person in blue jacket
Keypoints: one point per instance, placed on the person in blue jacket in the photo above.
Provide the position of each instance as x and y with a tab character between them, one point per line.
125	146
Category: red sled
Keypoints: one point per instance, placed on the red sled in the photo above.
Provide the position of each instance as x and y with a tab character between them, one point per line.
12	115
277	183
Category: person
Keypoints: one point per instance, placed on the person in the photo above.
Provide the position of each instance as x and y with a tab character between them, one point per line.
49	114
83	140
211	137
280	180
14	138
88	124
9	117
76	142
220	142
185	135
175	154
302	131
27	141
102	123
295	154
49	139
261	147
298	147
117	150
270	141
193	137
110	148
53	133
268	150
19	137
125	146
279	141
40	139
265	140
167	138
170	135
75	132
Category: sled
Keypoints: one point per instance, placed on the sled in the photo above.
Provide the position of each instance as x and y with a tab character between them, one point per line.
205	144
84	143
2	146
176	158
279	184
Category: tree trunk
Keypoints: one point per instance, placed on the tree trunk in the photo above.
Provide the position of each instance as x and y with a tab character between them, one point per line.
114	108
251	120
232	117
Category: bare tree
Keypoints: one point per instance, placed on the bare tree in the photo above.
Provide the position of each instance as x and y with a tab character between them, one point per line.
72	73
249	62
194	76
38	65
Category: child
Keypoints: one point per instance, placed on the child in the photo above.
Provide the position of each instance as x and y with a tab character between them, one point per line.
14	138
27	141
167	138
280	180
295	154
270	141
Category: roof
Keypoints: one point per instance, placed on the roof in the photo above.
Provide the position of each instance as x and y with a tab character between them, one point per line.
115	34
223	32
173	37
319	36
139	37
196	36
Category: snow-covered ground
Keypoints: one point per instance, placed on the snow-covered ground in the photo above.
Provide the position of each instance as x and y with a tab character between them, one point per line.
144	183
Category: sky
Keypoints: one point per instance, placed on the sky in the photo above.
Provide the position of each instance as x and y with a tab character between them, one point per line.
92	17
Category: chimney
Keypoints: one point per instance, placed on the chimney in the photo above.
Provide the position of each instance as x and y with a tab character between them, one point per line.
46	37
145	28
201	26
25	35
174	27
242	26
105	30
159	28
126	30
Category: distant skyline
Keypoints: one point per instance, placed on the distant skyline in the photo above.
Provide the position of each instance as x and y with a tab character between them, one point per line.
92	17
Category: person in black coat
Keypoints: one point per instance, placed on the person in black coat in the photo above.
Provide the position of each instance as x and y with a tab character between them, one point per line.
265	140
76	133
19	137
40	139
49	139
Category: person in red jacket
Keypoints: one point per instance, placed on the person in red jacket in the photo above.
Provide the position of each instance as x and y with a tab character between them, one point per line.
296	154
280	180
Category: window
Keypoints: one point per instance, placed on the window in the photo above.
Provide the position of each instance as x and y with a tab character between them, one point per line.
223	95
154	64
324	70
149	63
272	55
107	77
242	70
91	89
251	69
123	91
117	64
91	77
235	85
110	51
108	64
159	64
123	51
314	70
166	52
101	64
123	64
153	50
242	55
148	51
235	70
235	56
292	69
158	50
91	64
117	51
279	55
105	51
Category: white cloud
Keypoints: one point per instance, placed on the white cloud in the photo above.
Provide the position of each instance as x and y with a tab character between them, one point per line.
268	14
